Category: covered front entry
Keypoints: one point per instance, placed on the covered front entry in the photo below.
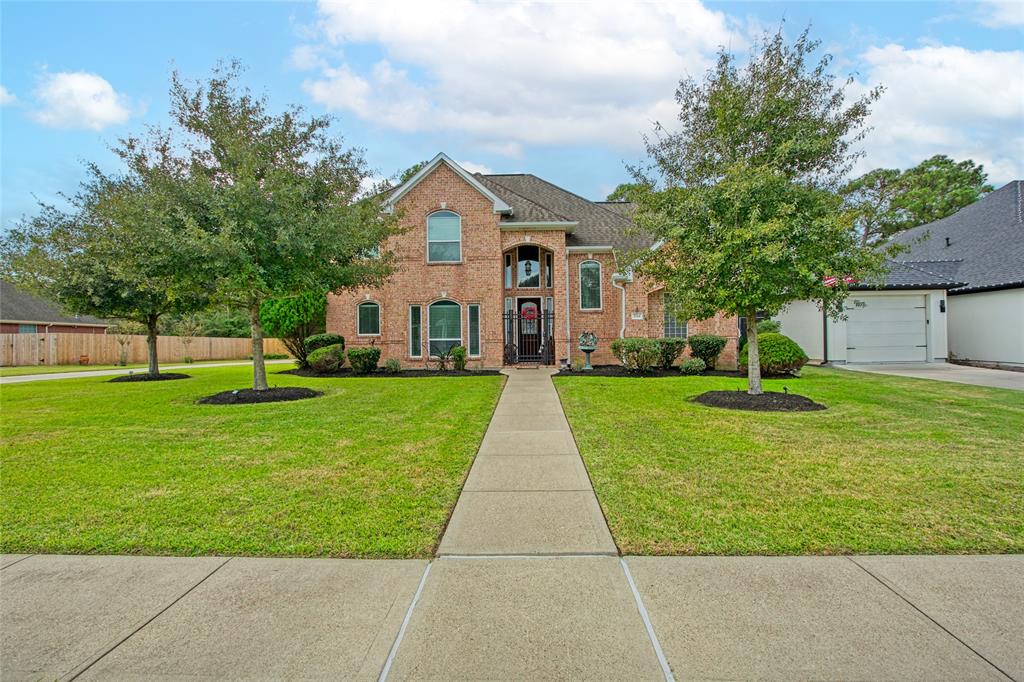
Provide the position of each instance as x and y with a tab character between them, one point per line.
528	333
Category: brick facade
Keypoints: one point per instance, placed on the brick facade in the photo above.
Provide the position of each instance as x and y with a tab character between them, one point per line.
479	279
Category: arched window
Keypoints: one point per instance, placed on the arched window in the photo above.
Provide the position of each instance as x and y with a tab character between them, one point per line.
444	237
444	327
590	285
368	319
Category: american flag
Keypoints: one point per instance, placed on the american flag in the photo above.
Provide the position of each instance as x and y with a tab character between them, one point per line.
831	280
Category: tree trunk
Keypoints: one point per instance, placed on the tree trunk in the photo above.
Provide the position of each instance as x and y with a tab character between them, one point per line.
151	334
259	369
753	359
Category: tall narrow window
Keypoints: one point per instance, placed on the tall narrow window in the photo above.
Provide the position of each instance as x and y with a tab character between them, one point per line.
673	327
508	270
474	329
444	327
528	270
549	275
590	285
415	331
444	237
369	319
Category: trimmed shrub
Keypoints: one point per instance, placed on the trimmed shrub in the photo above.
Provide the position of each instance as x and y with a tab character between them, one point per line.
324	340
459	358
364	359
779	354
769	327
637	354
669	350
327	359
707	347
692	366
392	366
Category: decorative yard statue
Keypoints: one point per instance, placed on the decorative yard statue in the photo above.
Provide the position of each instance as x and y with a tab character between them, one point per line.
588	344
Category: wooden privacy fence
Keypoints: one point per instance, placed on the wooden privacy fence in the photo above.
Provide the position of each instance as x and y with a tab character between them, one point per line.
103	349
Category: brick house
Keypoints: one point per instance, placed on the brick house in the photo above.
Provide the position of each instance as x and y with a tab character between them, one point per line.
25	313
513	268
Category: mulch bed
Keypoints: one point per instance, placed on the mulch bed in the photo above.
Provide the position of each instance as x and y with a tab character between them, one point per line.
146	376
246	396
768	401
382	374
620	371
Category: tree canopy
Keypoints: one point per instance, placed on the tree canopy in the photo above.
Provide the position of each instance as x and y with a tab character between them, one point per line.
887	201
743	201
276	199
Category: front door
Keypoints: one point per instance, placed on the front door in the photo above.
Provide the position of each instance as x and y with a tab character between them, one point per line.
529	341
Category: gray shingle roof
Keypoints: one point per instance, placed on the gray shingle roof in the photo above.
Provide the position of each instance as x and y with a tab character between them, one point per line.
985	241
904	275
20	306
599	223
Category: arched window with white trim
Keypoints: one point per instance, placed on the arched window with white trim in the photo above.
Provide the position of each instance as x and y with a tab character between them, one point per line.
590	285
444	327
368	319
444	237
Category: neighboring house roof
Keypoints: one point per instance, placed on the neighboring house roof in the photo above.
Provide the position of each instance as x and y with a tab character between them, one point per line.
981	245
903	275
20	306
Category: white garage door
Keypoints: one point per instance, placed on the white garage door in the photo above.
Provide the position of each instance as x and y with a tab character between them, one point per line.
886	329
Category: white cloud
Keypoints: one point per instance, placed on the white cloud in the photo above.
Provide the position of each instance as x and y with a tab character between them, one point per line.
476	167
1000	13
6	97
947	100
79	100
523	73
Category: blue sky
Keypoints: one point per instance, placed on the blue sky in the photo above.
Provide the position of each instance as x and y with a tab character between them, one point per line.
561	90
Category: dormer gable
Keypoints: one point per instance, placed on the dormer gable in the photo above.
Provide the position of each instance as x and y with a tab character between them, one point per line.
499	205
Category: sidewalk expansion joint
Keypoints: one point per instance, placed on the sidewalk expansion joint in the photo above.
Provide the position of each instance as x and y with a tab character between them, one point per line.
97	659
17	561
665	668
937	624
405	624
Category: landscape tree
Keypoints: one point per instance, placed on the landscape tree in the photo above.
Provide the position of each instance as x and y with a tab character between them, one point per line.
121	250
627	191
294	319
887	201
280	213
744	205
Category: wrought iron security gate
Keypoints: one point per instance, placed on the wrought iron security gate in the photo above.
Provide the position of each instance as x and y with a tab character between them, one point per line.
529	336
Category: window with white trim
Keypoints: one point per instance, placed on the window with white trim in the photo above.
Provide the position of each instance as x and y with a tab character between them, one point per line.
444	237
590	285
368	319
508	270
474	330
415	331
674	328
444	327
549	272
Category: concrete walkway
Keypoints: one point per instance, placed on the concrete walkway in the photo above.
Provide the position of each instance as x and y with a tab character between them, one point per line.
528	492
527	586
24	378
945	371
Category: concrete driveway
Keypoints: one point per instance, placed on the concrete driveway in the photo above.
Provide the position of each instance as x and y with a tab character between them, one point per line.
944	371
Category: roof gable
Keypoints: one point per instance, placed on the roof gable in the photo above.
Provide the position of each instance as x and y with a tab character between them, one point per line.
499	204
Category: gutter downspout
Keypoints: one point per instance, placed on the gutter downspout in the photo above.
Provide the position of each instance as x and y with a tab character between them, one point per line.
824	337
621	278
568	330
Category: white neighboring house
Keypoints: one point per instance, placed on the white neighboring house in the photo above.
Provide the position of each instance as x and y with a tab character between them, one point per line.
956	292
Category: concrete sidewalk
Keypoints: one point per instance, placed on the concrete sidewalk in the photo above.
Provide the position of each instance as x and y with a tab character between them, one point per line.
114	372
777	618
945	371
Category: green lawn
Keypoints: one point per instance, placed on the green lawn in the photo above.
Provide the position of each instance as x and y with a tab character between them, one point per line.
371	469
893	466
60	369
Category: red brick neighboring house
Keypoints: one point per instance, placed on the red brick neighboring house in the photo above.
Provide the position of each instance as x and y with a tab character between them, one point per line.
513	268
25	313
